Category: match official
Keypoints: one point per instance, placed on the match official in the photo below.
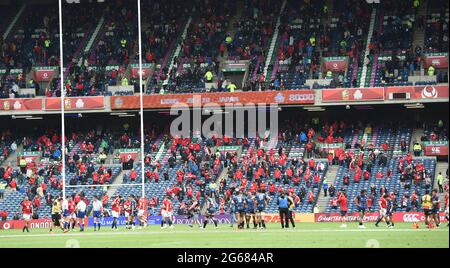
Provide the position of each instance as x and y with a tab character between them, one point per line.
283	207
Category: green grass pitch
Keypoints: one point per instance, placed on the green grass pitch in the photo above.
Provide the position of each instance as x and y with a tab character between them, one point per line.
306	235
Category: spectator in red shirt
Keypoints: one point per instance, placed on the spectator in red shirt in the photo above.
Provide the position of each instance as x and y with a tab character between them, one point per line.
272	188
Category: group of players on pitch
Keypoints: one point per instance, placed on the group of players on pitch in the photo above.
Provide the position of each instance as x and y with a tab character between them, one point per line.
430	205
244	209
68	213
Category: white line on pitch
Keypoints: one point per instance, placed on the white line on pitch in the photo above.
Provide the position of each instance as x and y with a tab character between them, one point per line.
221	232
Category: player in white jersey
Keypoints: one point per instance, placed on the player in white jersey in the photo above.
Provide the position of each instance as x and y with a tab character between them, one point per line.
66	215
81	213
97	208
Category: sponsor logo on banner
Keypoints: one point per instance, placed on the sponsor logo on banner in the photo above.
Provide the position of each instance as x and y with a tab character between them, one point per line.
156	220
30	157
166	101
335	64
413	217
372	217
76	103
20	104
352	94
336	217
19	224
44	74
429	92
437	60
127	154
420	92
298	217
438	148
146	71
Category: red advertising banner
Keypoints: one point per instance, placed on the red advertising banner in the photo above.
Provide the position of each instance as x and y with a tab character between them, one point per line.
352	94
30	157
372	217
44	74
438	60
336	217
127	154
335	64
419	92
34	224
298	217
413	217
146	71
166	101
20	104
76	103
435	148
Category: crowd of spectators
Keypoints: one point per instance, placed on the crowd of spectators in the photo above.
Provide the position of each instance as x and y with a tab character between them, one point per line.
436	27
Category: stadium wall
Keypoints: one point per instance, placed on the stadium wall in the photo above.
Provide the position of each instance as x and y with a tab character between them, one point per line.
325	97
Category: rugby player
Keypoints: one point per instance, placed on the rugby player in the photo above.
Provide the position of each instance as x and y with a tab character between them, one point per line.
389	211
193	211
250	210
81	213
239	202
261	203
166	213
127	209
343	203
72	215
361	203
233	210
210	213
115	211
27	211
133	212
382	208
435	207
56	214
427	206
66	215
291	204
97	207
142	212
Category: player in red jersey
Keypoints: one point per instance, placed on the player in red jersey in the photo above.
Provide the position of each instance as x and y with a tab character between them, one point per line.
115	207
142	212
72	215
127	209
27	211
166	213
343	203
382	207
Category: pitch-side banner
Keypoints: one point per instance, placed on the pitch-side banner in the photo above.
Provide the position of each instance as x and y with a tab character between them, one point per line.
76	103
20	104
152	220
372	217
166	101
436	148
34	224
420	92
353	94
298	217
